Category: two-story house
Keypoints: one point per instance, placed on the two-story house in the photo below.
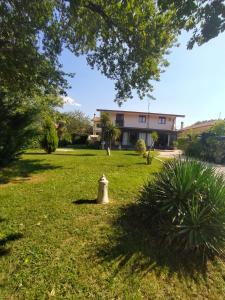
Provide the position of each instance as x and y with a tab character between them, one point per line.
136	125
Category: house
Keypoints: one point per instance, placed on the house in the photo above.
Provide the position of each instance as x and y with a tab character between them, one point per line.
198	127
136	125
96	125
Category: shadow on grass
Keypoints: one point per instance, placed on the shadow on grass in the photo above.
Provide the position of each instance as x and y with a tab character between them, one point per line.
21	170
135	247
85	201
35	153
71	154
5	240
132	154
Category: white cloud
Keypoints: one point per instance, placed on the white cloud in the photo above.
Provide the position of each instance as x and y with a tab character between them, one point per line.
70	101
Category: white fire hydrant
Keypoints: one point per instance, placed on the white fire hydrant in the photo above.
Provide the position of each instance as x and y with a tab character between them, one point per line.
103	197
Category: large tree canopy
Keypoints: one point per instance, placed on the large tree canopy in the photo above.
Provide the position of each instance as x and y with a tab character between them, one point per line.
126	40
205	17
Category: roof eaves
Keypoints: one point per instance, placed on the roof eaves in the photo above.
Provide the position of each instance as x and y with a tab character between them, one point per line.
139	112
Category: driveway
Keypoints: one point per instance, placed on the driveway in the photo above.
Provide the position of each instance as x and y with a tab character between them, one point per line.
176	153
169	153
219	168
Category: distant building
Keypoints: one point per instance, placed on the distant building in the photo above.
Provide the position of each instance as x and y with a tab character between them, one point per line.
198	127
136	125
96	125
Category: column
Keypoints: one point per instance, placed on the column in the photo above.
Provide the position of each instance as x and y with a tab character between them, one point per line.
168	140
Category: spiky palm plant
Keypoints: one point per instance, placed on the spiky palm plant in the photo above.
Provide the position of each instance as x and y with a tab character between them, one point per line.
186	206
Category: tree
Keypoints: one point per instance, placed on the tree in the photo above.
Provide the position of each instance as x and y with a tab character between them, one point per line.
126	41
49	140
105	123
110	132
21	121
77	123
155	137
218	129
205	17
113	134
16	127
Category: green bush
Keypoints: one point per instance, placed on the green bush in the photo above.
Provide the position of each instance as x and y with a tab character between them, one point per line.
49	141
185	205
16	128
182	143
66	140
141	147
208	146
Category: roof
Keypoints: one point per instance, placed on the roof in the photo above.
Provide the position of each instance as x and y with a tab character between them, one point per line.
140	112
200	125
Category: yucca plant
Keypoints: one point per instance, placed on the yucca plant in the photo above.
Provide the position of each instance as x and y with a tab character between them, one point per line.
185	204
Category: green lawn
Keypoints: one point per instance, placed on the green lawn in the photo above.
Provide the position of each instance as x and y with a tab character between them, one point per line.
56	243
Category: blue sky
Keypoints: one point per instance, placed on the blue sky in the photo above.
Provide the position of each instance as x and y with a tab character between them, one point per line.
193	84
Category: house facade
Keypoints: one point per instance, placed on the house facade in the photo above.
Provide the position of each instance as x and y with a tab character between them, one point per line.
136	125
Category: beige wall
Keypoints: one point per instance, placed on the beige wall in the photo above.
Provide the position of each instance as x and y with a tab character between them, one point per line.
132	120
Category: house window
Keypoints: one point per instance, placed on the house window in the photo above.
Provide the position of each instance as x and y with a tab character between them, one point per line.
162	120
120	120
142	119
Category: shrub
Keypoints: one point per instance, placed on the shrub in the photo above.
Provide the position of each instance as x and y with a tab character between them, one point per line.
65	140
185	204
49	141
140	146
182	143
79	139
16	128
209	145
93	143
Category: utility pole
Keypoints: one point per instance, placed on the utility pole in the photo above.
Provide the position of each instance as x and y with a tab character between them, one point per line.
148	121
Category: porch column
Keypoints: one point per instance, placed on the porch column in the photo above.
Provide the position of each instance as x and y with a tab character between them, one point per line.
168	140
149	140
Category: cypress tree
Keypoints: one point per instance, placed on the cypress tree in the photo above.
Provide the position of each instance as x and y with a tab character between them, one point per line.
50	139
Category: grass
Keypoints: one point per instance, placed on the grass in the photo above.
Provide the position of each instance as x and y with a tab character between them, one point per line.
55	243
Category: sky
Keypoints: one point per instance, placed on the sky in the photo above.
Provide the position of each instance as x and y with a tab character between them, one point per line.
193	84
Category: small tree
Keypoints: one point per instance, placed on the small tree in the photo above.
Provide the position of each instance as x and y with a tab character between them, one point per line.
110	132
155	137
50	139
140	146
113	134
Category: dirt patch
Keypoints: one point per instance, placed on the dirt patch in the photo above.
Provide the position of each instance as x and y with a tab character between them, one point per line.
30	179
